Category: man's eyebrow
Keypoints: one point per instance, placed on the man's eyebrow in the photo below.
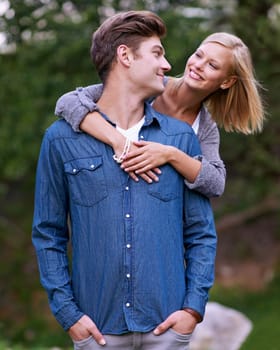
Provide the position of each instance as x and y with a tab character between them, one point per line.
161	48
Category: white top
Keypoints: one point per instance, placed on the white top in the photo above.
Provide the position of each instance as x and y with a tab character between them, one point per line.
195	124
133	132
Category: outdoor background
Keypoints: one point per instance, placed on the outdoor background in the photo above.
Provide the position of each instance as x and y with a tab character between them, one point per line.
44	52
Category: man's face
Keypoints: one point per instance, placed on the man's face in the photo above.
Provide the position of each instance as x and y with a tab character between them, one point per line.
149	66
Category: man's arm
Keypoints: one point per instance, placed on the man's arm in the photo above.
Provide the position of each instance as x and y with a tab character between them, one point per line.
50	235
50	238
200	242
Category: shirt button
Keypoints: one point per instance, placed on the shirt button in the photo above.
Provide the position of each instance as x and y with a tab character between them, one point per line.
127	304
127	215
74	170
128	275
142	137
128	246
92	166
126	188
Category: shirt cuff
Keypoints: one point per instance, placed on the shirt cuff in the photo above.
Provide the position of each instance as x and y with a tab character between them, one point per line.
68	315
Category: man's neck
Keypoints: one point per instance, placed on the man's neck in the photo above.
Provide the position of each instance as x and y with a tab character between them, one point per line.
121	107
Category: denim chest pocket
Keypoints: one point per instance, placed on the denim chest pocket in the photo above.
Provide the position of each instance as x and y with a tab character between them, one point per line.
169	186
86	180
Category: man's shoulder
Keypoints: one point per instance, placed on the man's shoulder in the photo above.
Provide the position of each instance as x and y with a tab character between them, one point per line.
171	125
60	129
168	124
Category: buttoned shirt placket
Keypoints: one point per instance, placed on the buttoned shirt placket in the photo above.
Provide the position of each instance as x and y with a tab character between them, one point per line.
128	253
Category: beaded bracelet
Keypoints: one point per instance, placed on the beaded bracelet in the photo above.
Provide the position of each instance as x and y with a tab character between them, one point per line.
126	148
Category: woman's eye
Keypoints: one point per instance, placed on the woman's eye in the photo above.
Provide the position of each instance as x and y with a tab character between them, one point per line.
212	65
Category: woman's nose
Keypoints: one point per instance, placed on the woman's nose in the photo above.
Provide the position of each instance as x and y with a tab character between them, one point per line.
199	64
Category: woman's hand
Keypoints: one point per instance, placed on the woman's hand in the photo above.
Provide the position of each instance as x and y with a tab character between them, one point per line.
144	158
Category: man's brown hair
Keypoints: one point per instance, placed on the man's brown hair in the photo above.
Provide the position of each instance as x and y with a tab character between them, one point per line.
128	28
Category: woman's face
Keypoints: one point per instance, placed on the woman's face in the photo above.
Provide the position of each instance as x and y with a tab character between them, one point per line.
209	68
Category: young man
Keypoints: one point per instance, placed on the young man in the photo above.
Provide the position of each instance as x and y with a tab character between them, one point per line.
142	254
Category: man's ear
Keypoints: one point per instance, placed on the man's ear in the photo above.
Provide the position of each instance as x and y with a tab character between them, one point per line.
124	55
226	84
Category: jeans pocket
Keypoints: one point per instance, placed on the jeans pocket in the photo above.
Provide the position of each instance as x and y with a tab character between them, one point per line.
181	337
84	344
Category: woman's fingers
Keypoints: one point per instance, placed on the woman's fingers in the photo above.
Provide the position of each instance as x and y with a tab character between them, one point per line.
149	176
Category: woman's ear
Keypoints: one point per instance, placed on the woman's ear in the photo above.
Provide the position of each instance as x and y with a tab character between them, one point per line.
226	84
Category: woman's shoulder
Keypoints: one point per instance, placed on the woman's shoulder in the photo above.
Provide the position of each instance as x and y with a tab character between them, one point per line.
206	123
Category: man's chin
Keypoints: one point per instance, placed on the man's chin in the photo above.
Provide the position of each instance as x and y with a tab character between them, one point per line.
159	91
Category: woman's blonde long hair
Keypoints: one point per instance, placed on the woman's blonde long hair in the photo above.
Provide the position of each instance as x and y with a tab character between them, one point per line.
240	107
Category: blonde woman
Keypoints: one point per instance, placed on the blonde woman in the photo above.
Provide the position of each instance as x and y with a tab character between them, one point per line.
218	87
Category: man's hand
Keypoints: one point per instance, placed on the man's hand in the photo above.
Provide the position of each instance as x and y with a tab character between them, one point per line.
180	321
84	328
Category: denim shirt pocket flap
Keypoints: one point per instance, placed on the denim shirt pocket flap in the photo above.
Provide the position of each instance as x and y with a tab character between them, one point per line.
86	180
74	166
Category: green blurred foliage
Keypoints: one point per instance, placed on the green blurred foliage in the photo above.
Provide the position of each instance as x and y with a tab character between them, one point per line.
52	40
253	162
35	75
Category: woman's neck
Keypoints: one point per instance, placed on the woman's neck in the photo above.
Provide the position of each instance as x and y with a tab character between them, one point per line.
181	103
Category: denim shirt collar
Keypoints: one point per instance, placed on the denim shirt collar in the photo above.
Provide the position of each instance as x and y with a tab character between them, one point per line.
150	116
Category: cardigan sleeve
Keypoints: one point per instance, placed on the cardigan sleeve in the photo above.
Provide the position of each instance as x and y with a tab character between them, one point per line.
75	105
212	176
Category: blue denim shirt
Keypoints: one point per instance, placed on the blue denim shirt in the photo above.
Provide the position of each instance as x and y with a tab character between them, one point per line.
139	251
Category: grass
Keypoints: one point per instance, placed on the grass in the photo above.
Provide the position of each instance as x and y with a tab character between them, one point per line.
262	308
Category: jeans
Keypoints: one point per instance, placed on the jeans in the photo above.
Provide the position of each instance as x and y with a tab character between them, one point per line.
170	340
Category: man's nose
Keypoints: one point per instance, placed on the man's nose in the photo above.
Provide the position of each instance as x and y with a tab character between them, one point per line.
166	66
